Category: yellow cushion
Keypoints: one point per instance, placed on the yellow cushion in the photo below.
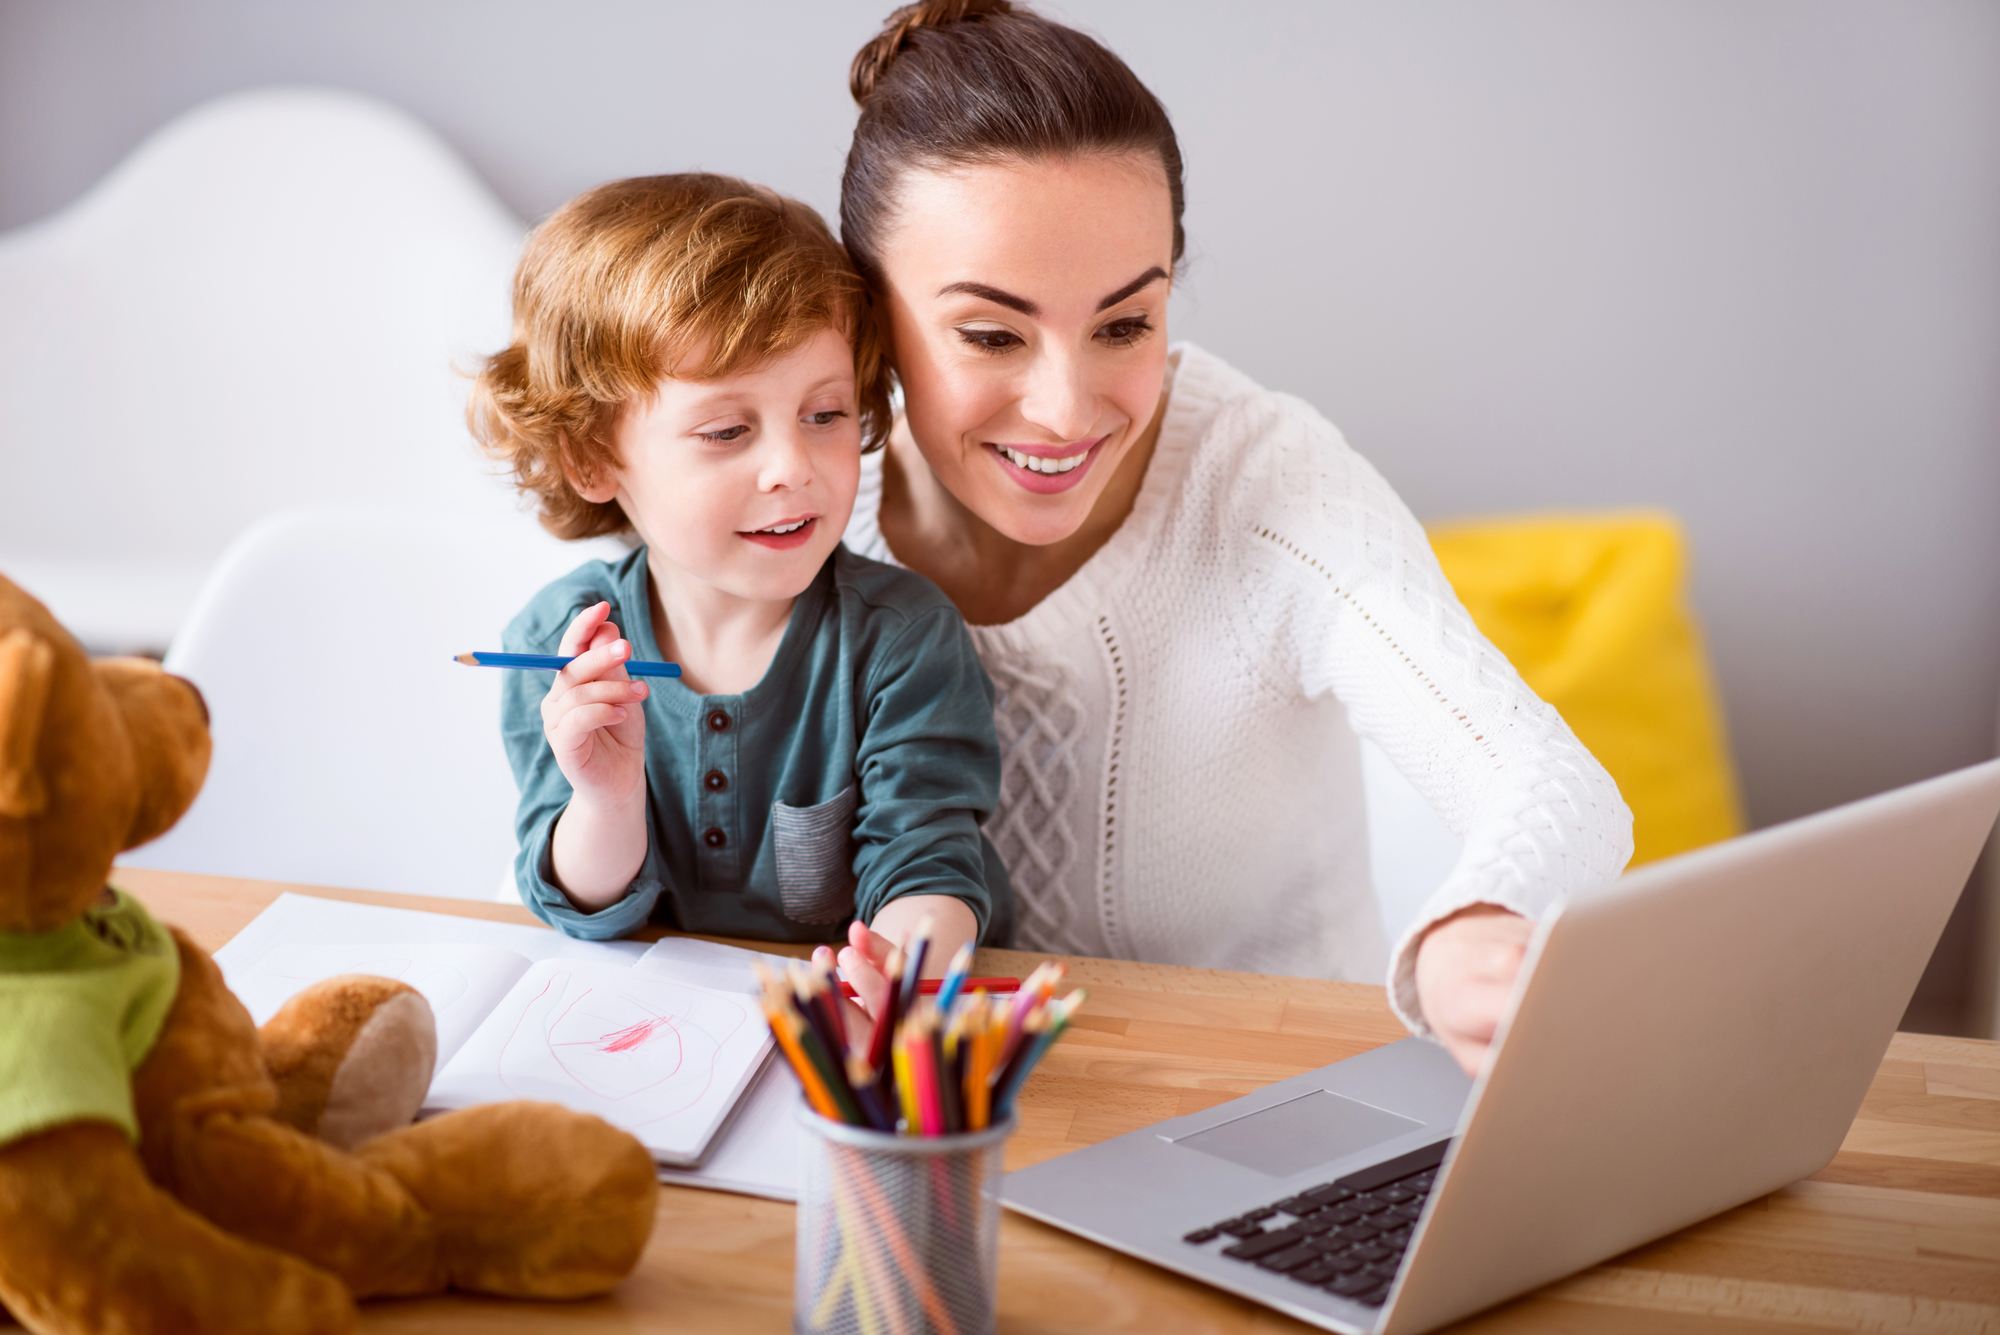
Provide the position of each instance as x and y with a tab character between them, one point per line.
1592	609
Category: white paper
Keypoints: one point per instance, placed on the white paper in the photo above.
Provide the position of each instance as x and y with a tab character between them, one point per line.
707	963
658	1058
461	982
758	1154
292	919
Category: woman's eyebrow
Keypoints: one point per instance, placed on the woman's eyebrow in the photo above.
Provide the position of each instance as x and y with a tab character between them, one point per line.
994	295
1031	310
1144	280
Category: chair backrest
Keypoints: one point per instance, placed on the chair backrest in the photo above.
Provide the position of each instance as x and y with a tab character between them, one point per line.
267	304
349	749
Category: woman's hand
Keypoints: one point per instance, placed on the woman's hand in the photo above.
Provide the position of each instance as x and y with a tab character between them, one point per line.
597	731
1466	966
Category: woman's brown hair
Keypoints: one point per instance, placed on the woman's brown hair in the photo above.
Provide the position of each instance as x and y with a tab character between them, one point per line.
632	281
964	82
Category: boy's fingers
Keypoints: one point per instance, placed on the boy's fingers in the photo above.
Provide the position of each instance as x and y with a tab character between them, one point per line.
602	661
872	945
602	692
571	729
583	628
871	988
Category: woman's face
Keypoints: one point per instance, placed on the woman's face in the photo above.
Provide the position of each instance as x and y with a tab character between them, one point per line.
1026	311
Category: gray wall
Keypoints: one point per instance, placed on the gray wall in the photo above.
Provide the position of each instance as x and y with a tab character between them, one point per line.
1737	258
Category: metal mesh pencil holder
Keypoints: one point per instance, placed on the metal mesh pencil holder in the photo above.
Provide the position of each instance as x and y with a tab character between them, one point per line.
898	1235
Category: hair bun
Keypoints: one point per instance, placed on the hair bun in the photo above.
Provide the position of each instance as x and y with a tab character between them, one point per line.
872	62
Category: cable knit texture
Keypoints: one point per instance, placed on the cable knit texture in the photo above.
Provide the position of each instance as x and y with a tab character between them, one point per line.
1181	776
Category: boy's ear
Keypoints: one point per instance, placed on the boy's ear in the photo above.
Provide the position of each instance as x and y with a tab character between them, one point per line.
597	486
27	663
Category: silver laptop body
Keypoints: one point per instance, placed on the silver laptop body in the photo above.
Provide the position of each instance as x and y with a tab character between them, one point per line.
1697	1035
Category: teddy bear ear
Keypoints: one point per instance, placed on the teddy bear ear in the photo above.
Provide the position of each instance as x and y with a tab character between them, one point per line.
27	666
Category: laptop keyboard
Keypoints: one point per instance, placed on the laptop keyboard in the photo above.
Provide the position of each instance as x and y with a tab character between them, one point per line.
1346	1237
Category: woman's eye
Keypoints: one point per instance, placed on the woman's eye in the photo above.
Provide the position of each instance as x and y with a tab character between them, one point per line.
1124	333
990	340
727	433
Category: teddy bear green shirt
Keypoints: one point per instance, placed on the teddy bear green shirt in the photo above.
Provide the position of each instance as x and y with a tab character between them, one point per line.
80	1007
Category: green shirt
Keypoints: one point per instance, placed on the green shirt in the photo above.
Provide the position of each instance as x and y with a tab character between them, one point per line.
80	1008
858	770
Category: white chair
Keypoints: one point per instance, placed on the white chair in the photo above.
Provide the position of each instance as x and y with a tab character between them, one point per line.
349	749
263	306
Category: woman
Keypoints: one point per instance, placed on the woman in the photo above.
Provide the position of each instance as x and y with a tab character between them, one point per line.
1192	595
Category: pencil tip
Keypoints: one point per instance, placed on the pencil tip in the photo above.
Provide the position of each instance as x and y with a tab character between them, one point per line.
470	660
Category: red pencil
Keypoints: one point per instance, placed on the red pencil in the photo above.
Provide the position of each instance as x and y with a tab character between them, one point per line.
929	986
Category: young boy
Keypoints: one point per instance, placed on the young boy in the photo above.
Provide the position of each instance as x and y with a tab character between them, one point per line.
692	362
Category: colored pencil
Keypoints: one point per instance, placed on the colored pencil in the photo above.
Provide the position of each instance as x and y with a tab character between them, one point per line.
931	1069
913	966
556	663
783	1028
954	977
885	1023
951	1081
822	979
1052	1022
933	986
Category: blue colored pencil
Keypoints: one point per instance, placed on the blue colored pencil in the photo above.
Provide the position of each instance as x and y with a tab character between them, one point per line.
954	978
555	663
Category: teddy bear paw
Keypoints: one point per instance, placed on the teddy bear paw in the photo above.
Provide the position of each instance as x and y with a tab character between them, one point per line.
352	1057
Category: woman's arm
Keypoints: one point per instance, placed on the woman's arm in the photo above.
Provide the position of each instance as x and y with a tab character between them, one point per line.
1374	620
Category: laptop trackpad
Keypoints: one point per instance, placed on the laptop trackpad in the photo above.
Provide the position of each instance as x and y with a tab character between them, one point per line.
1291	1137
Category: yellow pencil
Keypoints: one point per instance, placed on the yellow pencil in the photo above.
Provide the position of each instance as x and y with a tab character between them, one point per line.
906	1088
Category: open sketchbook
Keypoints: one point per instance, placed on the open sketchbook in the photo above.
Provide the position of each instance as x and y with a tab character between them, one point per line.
662	1040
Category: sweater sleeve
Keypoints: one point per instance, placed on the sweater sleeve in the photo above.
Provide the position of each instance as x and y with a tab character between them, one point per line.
1361	608
545	793
929	767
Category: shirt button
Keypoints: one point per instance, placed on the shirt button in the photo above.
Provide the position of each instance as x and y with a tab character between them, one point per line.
718	721
714	837
715	781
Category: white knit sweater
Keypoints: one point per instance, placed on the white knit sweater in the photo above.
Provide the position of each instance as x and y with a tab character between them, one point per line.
1181	779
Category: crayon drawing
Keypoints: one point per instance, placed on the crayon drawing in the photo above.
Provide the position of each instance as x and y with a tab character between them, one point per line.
643	1042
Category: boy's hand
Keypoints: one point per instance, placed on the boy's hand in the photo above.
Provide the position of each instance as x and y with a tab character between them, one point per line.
864	960
592	716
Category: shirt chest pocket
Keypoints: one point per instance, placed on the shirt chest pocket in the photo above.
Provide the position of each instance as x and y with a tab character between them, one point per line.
814	850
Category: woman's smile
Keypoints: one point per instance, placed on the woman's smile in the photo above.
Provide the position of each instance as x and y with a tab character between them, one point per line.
1047	468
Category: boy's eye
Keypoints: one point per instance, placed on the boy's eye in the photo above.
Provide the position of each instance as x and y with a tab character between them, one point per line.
826	418
990	340
727	433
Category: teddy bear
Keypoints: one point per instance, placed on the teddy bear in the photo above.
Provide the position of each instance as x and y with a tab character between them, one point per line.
167	1166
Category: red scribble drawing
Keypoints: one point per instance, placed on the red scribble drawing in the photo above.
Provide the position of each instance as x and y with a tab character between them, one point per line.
648	1048
631	1037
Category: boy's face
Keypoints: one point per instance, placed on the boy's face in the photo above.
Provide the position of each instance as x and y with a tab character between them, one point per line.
745	483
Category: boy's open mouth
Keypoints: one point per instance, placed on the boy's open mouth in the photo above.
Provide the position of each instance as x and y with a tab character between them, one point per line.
785	535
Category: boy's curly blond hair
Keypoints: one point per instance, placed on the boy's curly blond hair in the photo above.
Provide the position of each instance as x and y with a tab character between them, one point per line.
627	283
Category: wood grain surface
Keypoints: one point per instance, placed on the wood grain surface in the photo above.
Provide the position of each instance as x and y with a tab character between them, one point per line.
1900	1233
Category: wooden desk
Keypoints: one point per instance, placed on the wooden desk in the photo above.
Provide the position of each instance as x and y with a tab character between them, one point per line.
1900	1233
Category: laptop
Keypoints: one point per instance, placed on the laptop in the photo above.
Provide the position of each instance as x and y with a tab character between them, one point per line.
1696	1035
